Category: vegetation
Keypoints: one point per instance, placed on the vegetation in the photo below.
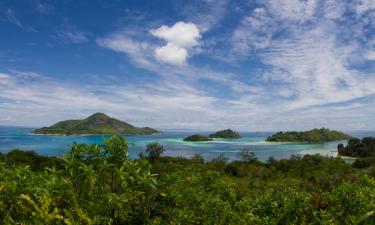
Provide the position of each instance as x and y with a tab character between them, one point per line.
311	136
220	134
98	123
99	184
228	133
154	150
36	162
358	148
198	137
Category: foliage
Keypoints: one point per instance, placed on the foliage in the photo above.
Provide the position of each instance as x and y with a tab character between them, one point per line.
154	150
359	148
197	137
228	133
32	159
311	136
100	184
98	123
247	155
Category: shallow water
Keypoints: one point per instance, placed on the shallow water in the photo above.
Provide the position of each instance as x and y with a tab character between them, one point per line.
15	137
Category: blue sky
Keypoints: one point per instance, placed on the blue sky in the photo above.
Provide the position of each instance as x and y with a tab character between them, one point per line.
200	64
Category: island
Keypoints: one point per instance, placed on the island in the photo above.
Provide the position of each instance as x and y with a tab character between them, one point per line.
228	133
311	136
198	137
361	148
98	123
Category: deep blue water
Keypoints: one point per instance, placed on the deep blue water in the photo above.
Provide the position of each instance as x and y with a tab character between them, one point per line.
20	138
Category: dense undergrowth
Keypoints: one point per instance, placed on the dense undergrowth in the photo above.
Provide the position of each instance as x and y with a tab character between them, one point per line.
100	184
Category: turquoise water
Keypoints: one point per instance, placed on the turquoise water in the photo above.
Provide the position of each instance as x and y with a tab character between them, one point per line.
15	137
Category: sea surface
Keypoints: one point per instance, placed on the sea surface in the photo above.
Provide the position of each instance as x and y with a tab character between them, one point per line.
21	138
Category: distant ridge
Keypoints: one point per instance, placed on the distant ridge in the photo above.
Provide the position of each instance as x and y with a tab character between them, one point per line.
98	123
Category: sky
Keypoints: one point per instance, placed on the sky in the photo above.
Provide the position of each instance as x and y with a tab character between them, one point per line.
255	65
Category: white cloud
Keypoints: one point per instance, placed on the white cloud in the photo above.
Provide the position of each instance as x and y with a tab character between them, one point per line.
294	10
254	32
172	54
179	39
363	6
370	55
6	79
156	104
71	36
310	60
333	9
25	74
11	17
206	14
140	52
182	34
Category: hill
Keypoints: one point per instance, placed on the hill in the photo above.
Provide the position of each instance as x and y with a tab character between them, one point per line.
197	137
98	123
228	133
311	136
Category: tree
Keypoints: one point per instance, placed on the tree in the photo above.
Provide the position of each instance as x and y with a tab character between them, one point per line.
340	148
247	156
154	150
198	158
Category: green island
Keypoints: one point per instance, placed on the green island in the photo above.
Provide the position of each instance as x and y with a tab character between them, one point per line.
98	123
311	136
228	133
197	137
100	184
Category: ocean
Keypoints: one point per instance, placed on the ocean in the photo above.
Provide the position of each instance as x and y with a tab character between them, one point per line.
20	138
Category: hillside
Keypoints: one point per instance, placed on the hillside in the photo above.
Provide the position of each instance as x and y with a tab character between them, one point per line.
311	136
98	123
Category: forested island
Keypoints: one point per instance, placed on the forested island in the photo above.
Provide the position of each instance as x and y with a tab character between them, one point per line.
311	136
227	133
98	123
100	184
197	137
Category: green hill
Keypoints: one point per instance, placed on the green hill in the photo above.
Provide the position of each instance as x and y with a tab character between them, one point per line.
98	123
228	133
197	137
311	136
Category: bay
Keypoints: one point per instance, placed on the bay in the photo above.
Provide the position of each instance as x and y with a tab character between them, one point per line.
21	138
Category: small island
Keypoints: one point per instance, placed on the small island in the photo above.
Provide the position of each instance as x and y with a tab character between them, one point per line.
198	137
228	133
98	123
311	136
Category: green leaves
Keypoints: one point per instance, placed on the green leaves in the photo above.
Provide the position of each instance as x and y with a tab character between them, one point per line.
100	184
